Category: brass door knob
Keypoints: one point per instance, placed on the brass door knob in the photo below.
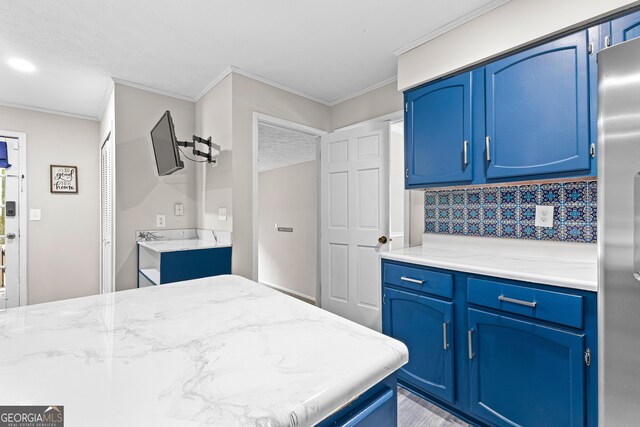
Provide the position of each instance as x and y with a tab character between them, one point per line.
382	239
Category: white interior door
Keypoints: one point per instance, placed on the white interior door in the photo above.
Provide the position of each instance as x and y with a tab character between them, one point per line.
354	214
9	237
106	216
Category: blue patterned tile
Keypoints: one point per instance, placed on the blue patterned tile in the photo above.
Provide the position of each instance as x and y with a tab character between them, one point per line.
457	198
575	192
430	198
491	228
528	194
444	198
474	228
509	211
473	197
527	213
508	195
578	213
552	194
490	196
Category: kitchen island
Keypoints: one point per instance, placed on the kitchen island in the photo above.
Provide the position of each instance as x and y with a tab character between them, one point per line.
215	351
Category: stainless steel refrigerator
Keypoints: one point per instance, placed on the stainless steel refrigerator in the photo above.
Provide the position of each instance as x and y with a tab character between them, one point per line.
619	234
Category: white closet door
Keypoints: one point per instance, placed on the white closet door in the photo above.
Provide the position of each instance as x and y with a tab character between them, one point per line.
10	293
354	214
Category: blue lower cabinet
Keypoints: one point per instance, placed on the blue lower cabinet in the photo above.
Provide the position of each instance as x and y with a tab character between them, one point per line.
425	326
376	407
525	374
188	265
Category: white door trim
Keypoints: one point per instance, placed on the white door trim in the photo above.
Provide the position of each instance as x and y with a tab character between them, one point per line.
109	139
22	141
264	118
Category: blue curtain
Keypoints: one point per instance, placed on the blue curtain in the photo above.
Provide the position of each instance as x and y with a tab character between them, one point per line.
4	156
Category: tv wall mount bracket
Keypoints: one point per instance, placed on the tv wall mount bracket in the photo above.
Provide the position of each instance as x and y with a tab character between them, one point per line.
211	158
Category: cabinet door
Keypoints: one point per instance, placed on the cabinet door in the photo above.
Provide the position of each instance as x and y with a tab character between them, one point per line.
537	110
425	326
525	374
438	132
625	28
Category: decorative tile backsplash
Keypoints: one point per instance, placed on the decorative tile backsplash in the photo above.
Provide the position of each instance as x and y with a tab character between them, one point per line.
509	211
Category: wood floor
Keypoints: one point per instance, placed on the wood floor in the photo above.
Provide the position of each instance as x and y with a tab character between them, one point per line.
416	412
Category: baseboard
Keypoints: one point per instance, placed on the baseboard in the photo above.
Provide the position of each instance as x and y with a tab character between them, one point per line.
289	291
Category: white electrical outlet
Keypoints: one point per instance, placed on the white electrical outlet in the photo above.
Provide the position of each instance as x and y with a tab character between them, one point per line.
544	216
161	221
222	214
178	209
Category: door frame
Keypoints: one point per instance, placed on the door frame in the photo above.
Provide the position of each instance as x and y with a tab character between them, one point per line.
22	154
108	139
259	118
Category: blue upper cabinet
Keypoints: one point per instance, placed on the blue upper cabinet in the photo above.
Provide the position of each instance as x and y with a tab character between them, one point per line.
537	111
425	326
439	128
524	373
625	28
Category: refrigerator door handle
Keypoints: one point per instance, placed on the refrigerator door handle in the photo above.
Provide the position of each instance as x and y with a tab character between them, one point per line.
636	226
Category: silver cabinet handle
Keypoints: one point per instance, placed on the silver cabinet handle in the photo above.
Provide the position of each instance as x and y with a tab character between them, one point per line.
470	339
465	150
409	279
487	147
445	341
517	301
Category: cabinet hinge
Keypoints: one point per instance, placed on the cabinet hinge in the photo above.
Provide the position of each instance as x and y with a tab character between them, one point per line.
607	41
406	173
592	150
587	357
384	298
406	107
590	48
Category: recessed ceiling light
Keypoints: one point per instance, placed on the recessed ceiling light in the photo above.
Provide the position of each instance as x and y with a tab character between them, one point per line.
22	65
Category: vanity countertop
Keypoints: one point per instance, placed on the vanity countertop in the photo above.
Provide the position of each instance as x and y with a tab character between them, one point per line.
570	265
182	245
216	351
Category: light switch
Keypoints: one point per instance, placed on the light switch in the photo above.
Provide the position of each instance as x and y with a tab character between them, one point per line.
222	214
35	214
178	209
161	221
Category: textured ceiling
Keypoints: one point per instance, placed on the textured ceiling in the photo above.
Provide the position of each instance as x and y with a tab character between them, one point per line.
327	49
280	147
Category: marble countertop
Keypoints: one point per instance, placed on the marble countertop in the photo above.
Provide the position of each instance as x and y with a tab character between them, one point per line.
181	245
220	351
571	265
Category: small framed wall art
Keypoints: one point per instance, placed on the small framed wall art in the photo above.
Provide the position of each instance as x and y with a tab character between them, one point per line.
64	179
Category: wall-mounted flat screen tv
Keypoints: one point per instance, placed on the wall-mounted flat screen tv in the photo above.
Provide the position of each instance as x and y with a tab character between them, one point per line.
165	146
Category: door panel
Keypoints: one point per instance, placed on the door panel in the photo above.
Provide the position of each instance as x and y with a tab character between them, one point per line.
438	122
354	213
10	292
418	322
537	110
525	374
625	28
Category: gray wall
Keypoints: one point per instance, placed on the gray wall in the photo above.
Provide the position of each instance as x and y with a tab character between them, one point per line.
214	184
379	102
288	196
140	193
248	96
63	249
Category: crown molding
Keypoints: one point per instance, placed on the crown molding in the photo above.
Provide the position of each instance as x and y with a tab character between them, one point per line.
47	111
152	89
451	25
105	100
363	91
214	83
